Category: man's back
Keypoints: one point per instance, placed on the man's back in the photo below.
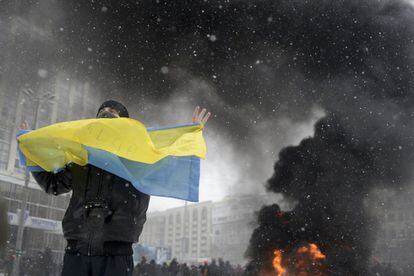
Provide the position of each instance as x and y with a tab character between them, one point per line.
106	213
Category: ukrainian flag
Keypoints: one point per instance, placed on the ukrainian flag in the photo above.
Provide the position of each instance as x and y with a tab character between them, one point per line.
157	161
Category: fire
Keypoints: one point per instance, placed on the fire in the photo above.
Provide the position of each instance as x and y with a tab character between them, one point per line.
277	263
313	250
307	260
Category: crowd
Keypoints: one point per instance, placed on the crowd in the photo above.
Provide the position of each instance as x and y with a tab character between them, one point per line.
42	264
174	268
38	264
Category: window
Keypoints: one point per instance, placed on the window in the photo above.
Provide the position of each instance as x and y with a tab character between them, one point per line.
4	154
204	213
5	188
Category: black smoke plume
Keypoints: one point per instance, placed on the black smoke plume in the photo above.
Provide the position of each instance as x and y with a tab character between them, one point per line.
331	176
364	142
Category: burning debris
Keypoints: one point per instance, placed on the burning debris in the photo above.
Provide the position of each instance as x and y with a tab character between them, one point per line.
277	263
306	260
309	261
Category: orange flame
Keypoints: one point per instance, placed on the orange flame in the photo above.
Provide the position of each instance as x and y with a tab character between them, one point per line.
277	263
306	261
313	251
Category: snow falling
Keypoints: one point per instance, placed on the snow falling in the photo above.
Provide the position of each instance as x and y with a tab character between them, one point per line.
256	65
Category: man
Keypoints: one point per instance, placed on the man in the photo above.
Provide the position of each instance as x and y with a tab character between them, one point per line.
106	213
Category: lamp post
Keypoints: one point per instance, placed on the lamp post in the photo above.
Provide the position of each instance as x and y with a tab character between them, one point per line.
47	96
184	239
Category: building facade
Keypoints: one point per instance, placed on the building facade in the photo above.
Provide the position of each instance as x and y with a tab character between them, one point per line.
208	230
186	231
72	100
233	222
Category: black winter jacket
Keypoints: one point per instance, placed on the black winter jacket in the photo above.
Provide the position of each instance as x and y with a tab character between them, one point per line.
106	213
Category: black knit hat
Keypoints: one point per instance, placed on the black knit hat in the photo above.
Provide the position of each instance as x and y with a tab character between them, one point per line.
123	112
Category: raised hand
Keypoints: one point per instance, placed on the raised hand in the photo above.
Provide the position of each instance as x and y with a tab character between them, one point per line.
200	117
